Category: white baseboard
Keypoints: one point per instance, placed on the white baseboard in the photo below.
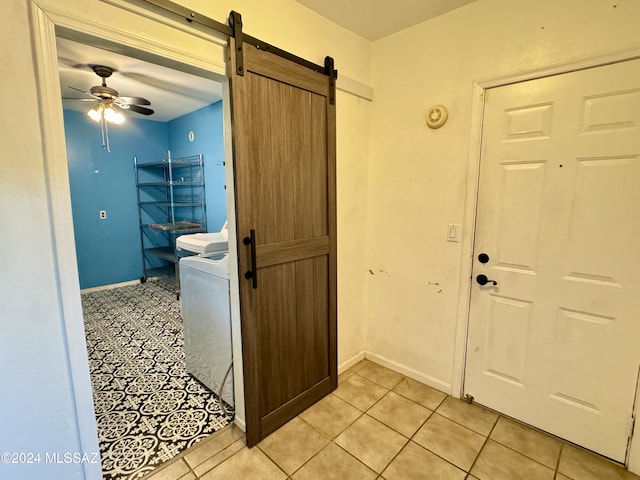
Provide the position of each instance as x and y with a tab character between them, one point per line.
398	367
409	372
112	286
351	362
240	424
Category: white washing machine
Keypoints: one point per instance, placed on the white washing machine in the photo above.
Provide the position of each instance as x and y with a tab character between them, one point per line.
204	305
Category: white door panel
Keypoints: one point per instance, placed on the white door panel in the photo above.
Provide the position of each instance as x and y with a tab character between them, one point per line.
554	343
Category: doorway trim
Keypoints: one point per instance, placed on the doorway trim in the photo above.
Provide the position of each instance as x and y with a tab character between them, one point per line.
480	88
52	18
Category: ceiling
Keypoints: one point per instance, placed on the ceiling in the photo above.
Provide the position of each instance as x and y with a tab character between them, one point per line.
172	93
374	19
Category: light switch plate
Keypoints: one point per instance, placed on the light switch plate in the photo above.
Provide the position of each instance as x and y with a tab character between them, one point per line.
453	230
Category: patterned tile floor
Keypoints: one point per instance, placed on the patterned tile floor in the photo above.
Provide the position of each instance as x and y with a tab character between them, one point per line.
381	425
148	408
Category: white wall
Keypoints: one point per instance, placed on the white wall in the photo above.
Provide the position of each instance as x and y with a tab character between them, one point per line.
352	168
418	176
38	412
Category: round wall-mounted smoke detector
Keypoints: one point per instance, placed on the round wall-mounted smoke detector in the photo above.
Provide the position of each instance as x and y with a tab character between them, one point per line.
437	116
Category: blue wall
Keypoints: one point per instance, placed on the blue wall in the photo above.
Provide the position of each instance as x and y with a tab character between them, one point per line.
108	251
206	125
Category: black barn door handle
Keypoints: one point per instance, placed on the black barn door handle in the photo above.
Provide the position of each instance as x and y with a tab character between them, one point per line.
253	273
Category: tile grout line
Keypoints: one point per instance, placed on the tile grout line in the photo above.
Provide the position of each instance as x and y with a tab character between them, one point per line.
351	455
520	453
243	439
378	383
225	460
332	440
418	403
341	431
523	454
271	459
484	444
410	439
555	475
362	413
365	378
191	470
404	377
203	443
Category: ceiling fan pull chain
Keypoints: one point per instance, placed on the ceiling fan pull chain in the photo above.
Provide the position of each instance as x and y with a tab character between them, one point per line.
105	134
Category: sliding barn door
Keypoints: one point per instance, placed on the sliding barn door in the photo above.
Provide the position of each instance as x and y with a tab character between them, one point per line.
284	154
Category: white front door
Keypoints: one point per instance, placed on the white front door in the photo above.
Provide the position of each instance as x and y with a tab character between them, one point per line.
556	343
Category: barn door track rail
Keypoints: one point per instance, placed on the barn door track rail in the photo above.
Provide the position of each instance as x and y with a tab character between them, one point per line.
234	29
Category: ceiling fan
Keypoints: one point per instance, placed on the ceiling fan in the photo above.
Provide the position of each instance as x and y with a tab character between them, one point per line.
105	94
107	110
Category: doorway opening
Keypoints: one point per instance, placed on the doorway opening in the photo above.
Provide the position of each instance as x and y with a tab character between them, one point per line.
150	393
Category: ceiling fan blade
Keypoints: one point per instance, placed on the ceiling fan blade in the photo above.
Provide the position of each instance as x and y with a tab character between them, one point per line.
135	100
82	91
81	99
142	110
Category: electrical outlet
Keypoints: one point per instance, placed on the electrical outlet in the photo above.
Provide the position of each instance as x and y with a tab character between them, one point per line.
103	214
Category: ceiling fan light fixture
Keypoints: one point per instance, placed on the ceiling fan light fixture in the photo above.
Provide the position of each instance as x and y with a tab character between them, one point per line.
95	113
112	116
107	112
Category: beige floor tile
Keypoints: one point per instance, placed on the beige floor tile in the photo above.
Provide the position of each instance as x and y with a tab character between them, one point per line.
244	465
354	369
343	377
579	464
416	463
361	364
207	448
331	415
560	476
471	416
219	457
451	441
399	413
497	462
175	470
189	476
293	444
531	443
360	392
420	393
333	463
371	442
380	375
